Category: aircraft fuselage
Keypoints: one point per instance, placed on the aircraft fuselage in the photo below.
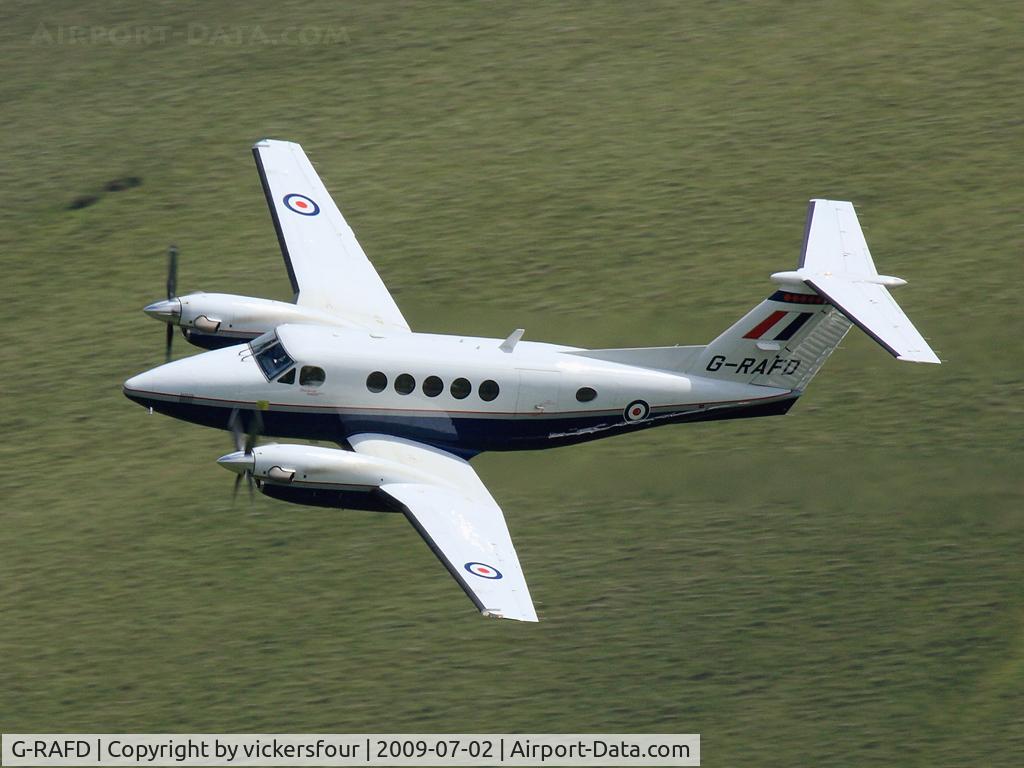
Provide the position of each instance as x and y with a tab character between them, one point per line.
463	394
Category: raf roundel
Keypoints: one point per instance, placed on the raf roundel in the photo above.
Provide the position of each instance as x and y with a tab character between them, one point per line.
638	410
483	570
301	204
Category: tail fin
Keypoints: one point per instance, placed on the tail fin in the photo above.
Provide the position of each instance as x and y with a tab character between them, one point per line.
784	341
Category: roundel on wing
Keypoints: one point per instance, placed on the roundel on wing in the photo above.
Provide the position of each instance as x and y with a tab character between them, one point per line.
483	570
638	410
301	204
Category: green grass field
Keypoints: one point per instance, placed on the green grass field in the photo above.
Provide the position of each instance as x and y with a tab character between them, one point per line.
842	586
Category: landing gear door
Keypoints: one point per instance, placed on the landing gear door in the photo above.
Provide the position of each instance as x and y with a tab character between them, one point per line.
539	391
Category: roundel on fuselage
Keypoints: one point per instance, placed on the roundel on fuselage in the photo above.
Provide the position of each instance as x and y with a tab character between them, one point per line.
638	410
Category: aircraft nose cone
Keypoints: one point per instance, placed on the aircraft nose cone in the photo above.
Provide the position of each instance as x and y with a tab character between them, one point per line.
238	462
142	382
166	310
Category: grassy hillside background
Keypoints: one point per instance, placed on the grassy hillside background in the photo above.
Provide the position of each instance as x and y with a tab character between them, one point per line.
841	585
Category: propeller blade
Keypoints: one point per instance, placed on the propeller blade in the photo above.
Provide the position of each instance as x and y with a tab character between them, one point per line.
172	272
244	442
255	428
168	341
238	481
234	424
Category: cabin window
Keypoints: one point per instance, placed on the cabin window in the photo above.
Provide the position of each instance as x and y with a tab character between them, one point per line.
376	381
288	378
488	390
432	386
311	376
461	388
405	384
273	360
586	394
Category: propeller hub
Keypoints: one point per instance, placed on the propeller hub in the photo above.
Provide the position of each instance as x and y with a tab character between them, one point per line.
167	310
238	462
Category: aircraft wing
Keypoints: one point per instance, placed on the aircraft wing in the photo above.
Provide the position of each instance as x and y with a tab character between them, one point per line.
326	265
460	521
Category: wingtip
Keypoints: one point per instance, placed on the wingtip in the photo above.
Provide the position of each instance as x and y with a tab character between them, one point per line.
921	357
829	200
494	613
267	142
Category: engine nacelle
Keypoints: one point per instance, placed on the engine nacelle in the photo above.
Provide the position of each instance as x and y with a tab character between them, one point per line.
213	320
293	464
325	477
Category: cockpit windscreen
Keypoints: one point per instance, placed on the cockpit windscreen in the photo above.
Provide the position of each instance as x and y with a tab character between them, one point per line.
272	359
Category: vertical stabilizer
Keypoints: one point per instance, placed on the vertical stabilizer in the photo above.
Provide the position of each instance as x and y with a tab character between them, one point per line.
782	342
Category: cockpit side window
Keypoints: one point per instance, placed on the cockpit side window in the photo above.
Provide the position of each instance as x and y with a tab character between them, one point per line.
273	360
312	376
288	378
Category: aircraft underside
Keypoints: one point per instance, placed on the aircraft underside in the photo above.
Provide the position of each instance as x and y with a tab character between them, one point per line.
463	435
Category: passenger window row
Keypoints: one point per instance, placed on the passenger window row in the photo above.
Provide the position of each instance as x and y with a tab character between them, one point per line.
460	388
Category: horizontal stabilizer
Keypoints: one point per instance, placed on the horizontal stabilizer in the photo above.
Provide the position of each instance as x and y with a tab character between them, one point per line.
872	308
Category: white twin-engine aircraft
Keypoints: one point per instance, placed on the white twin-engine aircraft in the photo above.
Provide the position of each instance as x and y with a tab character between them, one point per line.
409	409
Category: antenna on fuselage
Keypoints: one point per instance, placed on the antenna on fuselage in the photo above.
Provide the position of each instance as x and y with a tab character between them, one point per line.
513	338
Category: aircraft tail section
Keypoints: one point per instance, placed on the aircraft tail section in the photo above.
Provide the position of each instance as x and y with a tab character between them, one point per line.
836	264
782	342
785	340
